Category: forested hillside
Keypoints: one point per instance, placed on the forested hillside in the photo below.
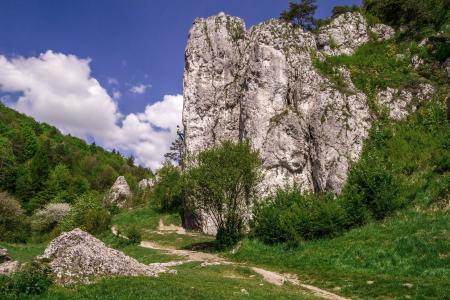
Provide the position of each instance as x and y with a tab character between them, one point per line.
39	164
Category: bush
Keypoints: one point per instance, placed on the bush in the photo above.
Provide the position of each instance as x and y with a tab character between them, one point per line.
414	14
87	214
222	183
291	217
167	192
34	279
134	235
372	191
47	219
13	223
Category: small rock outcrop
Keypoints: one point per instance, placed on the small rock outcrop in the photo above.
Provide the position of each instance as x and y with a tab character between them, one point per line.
119	193
7	265
78	257
146	184
446	66
4	256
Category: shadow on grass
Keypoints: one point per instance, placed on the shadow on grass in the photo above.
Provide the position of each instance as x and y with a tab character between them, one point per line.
210	247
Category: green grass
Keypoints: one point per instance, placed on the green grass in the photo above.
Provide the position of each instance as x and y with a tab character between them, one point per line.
191	282
143	255
412	247
146	221
142	218
23	252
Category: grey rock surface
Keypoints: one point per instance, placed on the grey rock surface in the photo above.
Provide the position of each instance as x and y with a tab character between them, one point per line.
261	84
78	257
446	66
9	267
146	184
4	256
119	193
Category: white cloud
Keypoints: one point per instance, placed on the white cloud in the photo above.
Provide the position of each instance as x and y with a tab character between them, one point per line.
112	81
140	88
116	95
58	89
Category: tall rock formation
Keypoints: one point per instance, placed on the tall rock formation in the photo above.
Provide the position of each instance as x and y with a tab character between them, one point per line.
261	84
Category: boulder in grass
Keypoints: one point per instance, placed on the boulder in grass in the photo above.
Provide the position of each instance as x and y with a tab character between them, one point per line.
119	194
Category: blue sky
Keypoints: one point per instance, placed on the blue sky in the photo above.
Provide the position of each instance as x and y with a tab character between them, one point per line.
135	47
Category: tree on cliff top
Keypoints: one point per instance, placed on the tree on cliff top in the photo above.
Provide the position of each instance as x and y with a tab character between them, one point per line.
301	14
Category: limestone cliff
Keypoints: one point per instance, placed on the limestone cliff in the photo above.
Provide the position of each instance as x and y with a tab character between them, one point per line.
261	84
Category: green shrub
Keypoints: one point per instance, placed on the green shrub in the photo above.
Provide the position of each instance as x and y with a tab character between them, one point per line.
167	192
222	183
374	189
14	225
87	214
33	279
291	217
45	220
133	234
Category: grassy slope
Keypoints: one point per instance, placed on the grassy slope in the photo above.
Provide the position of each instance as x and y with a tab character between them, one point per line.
412	247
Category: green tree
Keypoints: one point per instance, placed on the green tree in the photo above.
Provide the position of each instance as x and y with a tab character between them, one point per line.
24	184
8	165
167	192
222	183
31	144
40	166
414	14
300	14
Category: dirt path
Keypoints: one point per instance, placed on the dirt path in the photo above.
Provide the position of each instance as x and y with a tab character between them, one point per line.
271	277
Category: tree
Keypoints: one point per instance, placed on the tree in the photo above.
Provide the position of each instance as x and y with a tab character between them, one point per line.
8	164
176	151
413	14
167	192
301	14
31	144
222	183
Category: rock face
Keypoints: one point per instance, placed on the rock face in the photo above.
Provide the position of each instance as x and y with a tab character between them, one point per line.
146	184
7	266
118	194
446	66
78	257
260	84
4	256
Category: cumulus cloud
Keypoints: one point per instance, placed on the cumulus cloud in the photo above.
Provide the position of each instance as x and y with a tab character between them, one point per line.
59	89
140	88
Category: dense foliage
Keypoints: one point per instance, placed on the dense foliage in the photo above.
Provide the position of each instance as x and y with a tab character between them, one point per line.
416	15
291	217
13	223
32	280
222	182
300	14
167	192
39	165
88	214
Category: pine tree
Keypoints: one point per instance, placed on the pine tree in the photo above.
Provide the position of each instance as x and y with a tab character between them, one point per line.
301	14
176	151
